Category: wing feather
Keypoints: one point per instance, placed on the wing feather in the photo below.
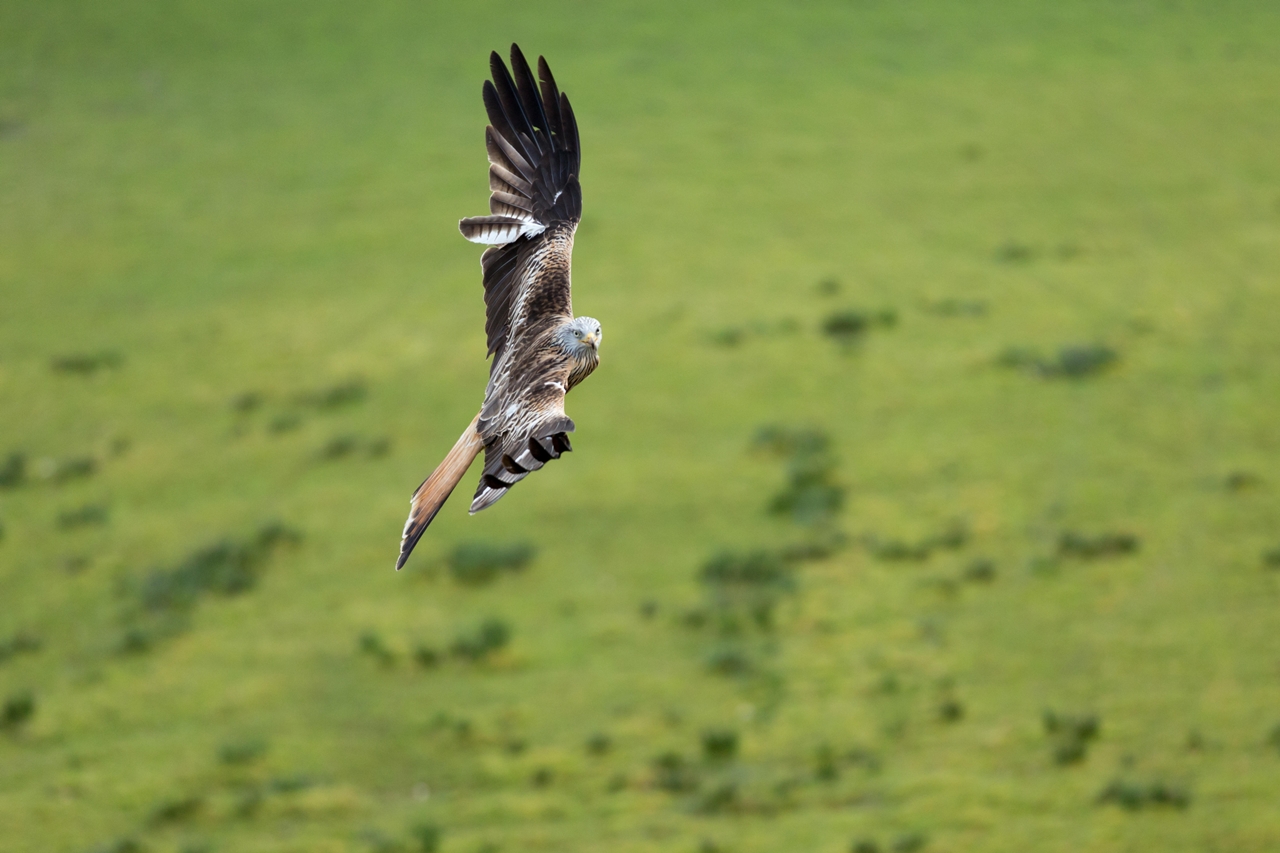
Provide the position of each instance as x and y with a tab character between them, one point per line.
532	144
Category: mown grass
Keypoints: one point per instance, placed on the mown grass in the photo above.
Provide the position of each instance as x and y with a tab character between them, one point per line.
993	609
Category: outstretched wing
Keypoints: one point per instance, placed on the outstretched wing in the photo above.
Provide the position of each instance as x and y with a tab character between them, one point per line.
535	202
535	433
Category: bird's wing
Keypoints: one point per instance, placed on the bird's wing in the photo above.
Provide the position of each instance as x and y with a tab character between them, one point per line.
535	204
529	433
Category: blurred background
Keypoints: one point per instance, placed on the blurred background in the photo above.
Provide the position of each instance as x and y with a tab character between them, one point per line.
925	499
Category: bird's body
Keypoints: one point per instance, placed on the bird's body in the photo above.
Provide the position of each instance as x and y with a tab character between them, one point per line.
540	351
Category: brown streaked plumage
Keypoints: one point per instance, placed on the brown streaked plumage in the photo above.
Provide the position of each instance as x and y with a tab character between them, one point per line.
540	351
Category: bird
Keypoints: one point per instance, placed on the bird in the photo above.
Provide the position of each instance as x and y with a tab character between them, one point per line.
540	350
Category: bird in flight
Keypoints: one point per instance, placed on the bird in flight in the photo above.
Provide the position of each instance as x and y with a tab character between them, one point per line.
540	350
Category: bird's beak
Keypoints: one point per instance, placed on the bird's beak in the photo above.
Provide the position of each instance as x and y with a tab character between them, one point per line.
593	339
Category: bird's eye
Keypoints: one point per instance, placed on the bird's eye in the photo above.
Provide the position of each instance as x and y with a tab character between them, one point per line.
577	334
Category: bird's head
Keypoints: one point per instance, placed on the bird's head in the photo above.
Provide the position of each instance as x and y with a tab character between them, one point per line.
582	332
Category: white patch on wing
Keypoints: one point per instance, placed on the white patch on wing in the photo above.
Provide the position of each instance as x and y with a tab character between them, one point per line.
555	385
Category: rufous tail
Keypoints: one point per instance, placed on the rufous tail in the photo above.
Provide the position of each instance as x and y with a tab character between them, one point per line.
435	490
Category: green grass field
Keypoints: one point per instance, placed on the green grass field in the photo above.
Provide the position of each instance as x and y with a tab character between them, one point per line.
1036	611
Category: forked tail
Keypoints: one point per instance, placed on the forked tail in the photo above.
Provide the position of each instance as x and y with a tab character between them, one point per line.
435	490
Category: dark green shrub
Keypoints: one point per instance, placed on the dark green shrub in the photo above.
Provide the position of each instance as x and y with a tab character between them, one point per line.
1081	547
1070	735
825	768
719	744
286	422
1080	361
1073	361
336	396
910	842
477	563
18	644
719	800
896	550
1014	252
846	327
18	709
428	836
489	637
122	845
83	516
176	811
1241	481
339	446
673	774
74	468
745	588
728	660
228	567
86	364
980	570
13	472
370	643
599	743
246	402
242	751
1136	796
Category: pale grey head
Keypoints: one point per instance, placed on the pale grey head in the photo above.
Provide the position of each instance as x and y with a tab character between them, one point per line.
580	335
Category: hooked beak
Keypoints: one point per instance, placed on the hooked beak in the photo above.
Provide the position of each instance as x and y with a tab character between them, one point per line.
593	339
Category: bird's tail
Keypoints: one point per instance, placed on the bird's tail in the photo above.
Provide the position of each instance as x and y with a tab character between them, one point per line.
435	490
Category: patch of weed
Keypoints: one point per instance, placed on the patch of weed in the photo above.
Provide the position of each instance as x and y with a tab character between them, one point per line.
980	570
599	743
1135	796
426	657
427	836
478	563
19	643
18	709
848	326
370	643
246	402
1072	361
1072	544
83	516
673	774
1014	252
1070	735
745	588
242	752
13	472
86	364
345	446
336	396
721	799
59	471
719	744
176	810
491	636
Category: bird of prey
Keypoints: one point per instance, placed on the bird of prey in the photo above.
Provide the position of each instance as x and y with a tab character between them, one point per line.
540	350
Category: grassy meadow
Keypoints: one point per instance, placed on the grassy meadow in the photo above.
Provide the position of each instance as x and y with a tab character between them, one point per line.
926	498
